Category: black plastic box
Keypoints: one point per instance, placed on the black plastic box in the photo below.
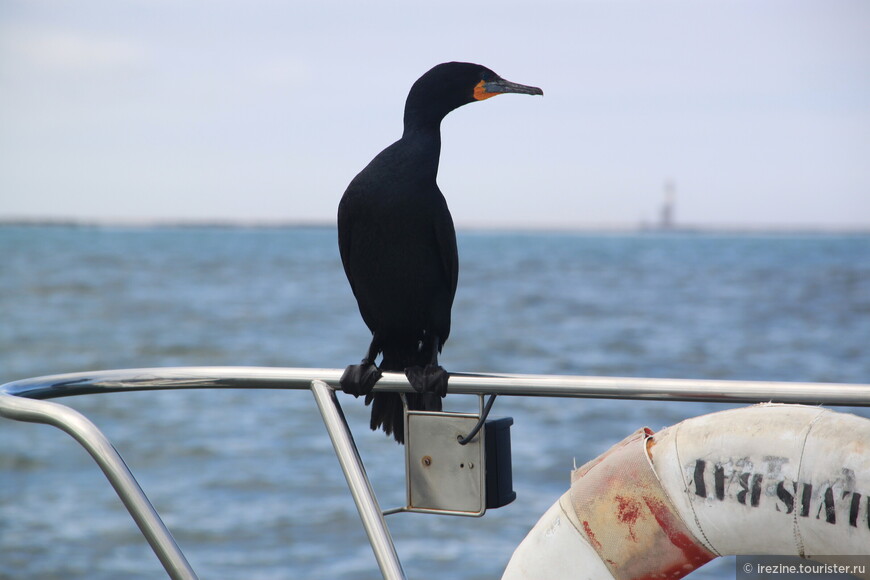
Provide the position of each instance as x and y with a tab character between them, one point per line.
499	474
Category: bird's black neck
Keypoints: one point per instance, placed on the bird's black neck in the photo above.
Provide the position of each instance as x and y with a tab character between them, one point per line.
423	142
422	119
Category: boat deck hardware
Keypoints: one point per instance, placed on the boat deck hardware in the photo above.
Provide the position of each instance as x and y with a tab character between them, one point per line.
23	400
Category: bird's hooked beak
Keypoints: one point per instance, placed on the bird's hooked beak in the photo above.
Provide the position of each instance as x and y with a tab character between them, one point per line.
497	86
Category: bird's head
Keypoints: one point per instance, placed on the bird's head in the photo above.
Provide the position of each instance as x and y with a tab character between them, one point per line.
453	84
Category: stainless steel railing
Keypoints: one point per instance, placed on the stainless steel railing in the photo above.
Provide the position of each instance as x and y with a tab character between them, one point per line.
21	401
113	381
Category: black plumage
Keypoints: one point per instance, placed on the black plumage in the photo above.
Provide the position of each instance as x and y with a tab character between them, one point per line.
398	246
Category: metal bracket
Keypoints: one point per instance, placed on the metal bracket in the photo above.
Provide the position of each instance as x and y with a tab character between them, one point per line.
443	476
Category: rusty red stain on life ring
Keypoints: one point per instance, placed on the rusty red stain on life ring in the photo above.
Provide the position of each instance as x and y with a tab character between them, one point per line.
627	512
592	539
694	553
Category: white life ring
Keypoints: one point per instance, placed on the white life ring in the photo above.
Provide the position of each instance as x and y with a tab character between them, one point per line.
768	479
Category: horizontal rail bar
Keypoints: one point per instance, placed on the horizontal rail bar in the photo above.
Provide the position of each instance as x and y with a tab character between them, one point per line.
460	383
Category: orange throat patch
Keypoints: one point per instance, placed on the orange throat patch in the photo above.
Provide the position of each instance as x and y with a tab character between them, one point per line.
480	92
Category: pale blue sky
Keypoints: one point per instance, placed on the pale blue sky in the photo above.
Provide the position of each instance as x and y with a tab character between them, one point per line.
264	110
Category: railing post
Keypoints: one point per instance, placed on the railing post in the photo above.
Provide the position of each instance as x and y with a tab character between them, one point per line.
358	482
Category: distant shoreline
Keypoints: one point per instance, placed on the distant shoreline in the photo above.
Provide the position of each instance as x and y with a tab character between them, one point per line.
494	228
162	224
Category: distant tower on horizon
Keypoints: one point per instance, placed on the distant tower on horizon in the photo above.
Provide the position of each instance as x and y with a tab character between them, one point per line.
666	216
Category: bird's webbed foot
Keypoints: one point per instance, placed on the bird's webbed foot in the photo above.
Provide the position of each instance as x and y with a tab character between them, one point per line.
360	379
431	378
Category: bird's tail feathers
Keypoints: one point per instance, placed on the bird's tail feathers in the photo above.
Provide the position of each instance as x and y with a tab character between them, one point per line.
388	413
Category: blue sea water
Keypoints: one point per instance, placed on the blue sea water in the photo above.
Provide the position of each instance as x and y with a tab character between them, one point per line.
248	482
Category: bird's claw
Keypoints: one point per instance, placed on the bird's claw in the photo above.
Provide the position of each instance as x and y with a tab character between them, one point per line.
360	379
428	379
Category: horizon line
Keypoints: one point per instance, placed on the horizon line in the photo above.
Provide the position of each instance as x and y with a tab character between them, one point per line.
637	227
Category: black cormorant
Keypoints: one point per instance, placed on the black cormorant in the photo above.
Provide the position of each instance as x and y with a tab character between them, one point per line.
398	245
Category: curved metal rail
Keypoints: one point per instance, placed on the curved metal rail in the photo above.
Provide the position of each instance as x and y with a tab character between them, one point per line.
839	394
113	466
20	401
